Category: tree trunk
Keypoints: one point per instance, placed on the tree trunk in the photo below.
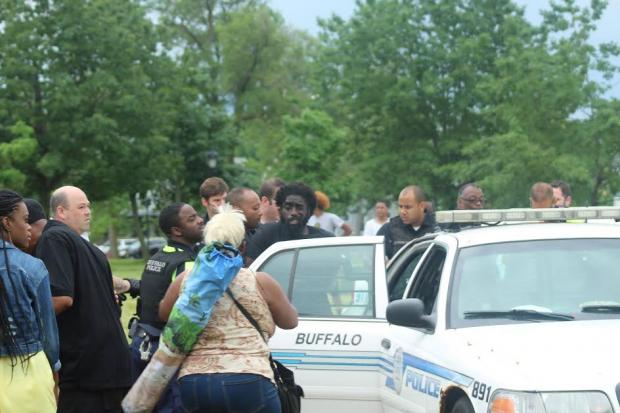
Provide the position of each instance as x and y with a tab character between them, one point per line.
137	223
113	238
595	190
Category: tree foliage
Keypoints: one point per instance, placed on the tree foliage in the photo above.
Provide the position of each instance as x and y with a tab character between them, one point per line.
15	155
122	97
312	153
444	92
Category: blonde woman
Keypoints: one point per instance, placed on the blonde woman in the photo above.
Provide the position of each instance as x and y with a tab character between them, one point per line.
228	369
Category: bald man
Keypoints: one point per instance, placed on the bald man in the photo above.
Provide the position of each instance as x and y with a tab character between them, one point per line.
248	202
541	195
96	369
414	220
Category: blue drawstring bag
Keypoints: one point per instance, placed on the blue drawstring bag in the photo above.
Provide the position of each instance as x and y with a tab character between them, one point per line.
214	269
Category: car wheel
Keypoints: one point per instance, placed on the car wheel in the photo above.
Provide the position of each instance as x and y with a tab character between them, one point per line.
462	405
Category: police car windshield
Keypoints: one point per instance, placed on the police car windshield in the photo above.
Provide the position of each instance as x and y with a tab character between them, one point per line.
526	281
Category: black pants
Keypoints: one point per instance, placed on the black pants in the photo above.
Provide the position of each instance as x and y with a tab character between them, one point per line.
91	401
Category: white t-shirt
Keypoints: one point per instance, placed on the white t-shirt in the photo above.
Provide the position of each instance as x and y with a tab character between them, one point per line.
327	221
372	227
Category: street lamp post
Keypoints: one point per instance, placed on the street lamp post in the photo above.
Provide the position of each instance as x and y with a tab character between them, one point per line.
212	159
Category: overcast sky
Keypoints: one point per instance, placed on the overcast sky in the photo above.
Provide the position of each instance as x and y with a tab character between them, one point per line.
303	14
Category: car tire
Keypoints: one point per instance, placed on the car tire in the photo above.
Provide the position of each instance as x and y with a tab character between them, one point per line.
462	405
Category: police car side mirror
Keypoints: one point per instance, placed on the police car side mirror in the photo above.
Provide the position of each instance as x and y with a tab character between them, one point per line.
409	312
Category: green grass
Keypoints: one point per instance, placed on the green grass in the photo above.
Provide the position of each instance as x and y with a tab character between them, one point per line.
127	268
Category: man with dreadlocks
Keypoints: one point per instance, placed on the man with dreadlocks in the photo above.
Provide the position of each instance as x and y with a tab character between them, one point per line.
296	202
28	332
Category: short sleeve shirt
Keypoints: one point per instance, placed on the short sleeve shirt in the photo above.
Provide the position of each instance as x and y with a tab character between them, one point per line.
327	221
93	347
372	227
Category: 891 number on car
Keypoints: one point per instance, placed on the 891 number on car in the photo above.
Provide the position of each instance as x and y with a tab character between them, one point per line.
481	391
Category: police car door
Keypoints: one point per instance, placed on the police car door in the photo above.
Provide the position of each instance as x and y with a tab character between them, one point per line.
338	287
413	385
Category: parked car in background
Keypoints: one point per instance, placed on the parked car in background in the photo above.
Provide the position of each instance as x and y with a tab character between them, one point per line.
123	246
154	244
105	248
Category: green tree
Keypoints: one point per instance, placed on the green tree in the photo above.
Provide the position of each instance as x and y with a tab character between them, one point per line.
15	155
312	152
439	93
599	144
83	76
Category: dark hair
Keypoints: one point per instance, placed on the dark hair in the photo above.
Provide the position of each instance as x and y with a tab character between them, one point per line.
35	210
383	201
213	186
9	200
463	187
169	217
558	183
297	188
270	187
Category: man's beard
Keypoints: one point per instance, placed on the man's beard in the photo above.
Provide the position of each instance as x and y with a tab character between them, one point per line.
296	228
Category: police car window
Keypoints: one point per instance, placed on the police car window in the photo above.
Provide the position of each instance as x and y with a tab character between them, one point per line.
335	281
280	267
398	283
578	277
426	283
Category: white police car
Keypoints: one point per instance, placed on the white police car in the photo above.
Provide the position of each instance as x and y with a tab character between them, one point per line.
507	319
516	318
338	287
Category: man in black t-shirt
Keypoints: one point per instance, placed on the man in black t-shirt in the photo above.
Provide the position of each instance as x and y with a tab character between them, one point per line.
297	203
96	370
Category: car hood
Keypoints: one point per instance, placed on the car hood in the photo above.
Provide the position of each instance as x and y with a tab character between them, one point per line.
564	355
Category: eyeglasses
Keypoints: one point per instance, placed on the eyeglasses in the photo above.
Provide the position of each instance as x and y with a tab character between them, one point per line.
473	200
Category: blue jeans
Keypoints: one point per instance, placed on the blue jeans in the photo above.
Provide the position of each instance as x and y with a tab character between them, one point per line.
228	393
170	401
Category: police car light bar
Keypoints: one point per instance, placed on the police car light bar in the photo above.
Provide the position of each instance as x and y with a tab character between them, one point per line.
526	214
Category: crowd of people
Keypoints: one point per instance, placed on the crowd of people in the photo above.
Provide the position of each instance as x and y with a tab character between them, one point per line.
62	345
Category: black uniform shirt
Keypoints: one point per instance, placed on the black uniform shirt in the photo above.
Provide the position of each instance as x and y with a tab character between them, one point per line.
268	234
160	270
93	347
396	233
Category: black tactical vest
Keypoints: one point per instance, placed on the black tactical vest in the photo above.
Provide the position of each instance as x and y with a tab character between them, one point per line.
159	271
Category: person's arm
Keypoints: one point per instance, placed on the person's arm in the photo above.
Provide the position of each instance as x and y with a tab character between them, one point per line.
346	229
53	250
339	223
282	311
126	285
47	320
387	240
172	293
120	286
62	303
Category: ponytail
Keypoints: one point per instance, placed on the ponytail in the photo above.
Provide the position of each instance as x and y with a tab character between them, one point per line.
9	201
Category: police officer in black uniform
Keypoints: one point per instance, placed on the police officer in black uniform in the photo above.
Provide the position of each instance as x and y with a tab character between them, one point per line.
414	220
183	228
